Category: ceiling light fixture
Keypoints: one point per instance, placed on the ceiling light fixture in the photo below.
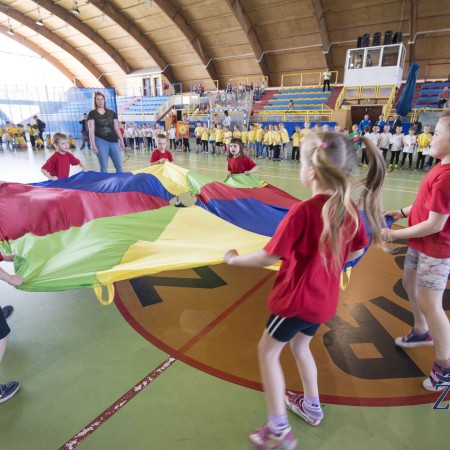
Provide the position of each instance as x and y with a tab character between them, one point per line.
75	9
10	30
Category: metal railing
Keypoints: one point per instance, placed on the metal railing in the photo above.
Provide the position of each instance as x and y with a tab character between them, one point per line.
307	79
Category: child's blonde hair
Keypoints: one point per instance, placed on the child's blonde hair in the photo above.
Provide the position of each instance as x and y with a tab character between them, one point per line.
57	137
333	158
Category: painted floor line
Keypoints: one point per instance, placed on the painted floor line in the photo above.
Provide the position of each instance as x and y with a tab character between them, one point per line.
117	406
83	434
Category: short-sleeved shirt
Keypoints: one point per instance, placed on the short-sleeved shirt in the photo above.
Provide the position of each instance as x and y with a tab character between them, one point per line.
158	154
58	165
240	164
303	287
104	124
433	195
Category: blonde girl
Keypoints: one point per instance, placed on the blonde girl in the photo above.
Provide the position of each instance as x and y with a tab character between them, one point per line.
313	241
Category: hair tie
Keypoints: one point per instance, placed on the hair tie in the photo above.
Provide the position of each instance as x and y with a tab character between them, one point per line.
323	144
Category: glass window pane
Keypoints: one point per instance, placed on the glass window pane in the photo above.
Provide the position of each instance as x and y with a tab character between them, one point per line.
390	56
355	60
373	58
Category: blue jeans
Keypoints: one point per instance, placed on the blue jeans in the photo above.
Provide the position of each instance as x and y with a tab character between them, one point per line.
108	149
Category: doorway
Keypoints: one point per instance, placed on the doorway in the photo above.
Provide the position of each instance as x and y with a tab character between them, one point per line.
358	113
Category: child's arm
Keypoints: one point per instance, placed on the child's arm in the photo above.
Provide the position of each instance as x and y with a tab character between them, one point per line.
399	214
252	170
13	280
48	175
434	224
159	161
83	167
259	258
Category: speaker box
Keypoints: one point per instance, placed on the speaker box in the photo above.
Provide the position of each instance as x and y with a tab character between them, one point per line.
387	38
397	37
376	39
365	40
179	115
358	42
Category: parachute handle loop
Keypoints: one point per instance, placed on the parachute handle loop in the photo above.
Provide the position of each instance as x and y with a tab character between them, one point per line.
345	278
98	291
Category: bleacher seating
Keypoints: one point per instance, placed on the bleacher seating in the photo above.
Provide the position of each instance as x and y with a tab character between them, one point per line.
429	94
307	98
146	105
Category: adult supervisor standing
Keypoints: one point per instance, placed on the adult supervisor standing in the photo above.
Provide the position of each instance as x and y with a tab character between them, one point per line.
105	135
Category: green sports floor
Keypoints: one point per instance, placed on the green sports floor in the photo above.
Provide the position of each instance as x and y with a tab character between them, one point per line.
181	373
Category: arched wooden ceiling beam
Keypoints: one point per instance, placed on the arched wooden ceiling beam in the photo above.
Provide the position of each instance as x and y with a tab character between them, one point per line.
412	30
91	34
43	54
178	19
109	10
57	40
323	30
244	21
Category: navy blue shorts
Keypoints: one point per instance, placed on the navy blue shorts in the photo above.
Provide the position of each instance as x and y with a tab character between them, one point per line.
4	328
283	329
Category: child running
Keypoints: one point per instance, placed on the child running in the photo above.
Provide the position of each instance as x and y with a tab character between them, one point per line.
427	263
237	161
58	165
314	241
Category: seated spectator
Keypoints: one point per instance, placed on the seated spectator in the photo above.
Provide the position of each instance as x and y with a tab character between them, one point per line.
291	106
444	96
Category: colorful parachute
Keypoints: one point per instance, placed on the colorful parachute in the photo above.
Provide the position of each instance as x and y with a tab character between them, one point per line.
93	229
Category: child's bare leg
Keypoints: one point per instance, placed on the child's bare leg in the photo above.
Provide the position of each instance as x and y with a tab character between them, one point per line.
409	281
269	350
3	344
430	302
305	363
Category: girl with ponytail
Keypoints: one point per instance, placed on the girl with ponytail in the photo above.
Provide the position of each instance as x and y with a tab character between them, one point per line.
314	241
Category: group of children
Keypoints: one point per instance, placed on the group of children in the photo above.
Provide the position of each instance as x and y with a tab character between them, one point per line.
14	137
313	242
398	143
142	137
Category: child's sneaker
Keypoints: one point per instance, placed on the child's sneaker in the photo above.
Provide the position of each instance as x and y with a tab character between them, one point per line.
414	340
264	438
8	390
439	378
294	402
8	311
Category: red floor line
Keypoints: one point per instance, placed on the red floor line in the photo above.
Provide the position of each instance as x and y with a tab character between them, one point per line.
225	313
117	406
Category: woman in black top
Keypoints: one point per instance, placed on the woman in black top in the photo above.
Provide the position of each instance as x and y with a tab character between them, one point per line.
105	135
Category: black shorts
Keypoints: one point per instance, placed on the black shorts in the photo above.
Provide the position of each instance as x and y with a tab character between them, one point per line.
283	329
4	328
219	144
199	141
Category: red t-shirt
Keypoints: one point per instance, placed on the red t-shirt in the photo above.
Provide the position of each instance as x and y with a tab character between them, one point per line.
58	165
240	164
158	154
303	288
433	195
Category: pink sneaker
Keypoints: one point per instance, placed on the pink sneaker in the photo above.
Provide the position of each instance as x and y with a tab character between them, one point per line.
263	438
294	402
438	380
